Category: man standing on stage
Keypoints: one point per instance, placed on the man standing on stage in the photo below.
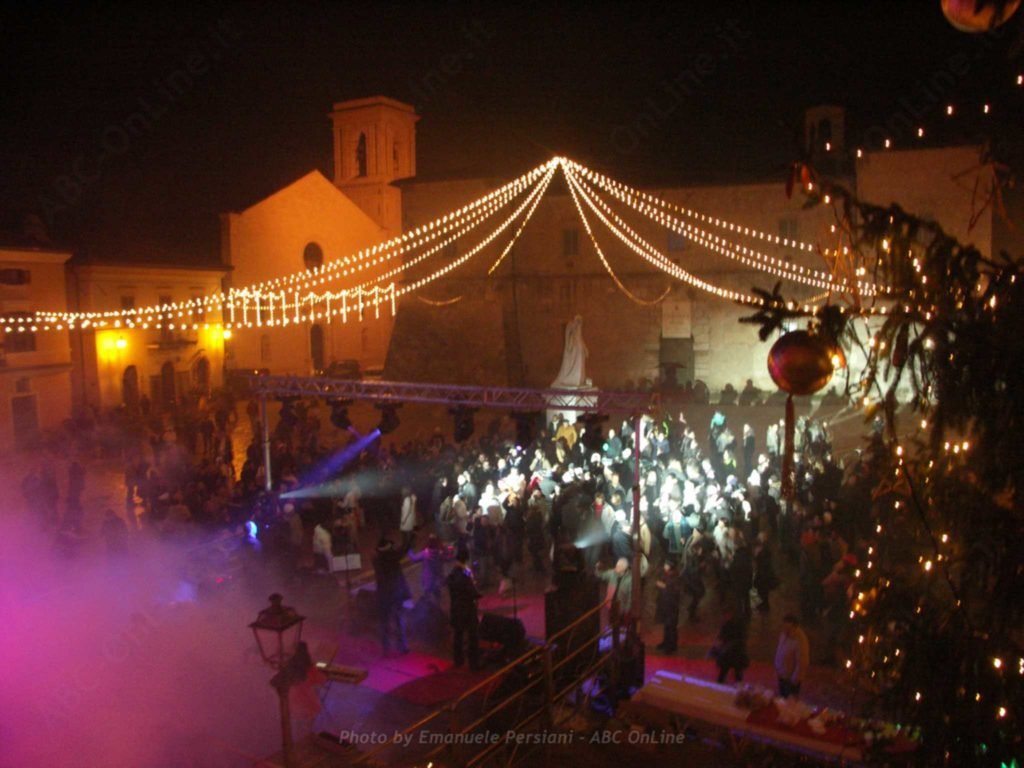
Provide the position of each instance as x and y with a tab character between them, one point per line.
463	593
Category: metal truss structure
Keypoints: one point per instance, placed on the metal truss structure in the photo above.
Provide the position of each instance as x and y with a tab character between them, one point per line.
584	401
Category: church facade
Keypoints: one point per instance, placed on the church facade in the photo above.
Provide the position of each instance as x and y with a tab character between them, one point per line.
315	220
507	328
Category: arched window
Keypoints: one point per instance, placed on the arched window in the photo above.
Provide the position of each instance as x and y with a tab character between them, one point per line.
312	256
361	155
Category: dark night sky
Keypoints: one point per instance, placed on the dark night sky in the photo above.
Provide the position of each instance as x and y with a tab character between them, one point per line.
126	165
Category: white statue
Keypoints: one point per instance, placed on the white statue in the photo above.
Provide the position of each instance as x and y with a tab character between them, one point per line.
574	358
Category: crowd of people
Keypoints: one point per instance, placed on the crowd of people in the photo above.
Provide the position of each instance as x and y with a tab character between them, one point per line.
712	517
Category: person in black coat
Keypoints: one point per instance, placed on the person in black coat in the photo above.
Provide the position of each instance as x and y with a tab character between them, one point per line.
765	578
392	592
741	579
667	610
465	624
730	652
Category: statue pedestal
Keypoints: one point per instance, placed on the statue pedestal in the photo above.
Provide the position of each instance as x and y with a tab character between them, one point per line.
567	404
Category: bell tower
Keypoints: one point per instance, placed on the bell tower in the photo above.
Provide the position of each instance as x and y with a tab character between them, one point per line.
374	145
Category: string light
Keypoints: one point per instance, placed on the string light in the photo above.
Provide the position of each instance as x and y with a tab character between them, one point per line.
744	254
305	296
302	280
481	245
600	254
653	256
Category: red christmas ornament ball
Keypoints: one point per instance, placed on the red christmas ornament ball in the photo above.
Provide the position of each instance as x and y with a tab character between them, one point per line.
800	363
975	16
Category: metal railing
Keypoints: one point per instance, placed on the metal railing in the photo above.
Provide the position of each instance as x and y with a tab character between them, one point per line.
515	711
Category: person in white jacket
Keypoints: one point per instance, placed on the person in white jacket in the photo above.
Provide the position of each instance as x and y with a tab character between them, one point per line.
322	547
407	521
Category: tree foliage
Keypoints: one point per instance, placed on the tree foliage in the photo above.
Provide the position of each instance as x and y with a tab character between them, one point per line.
937	611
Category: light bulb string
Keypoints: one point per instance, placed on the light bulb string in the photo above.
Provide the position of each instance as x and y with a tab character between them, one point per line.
652	255
600	254
744	254
535	196
427	232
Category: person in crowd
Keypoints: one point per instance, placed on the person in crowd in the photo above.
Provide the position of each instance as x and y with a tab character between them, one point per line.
792	657
694	557
750	395
392	592
765	577
667	609
408	522
537	513
730	650
620	580
432	558
741	575
463	596
676	532
322	553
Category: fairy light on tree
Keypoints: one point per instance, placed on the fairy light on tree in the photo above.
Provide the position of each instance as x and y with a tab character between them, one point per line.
940	603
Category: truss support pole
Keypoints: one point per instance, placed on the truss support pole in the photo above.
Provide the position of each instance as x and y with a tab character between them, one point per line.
265	427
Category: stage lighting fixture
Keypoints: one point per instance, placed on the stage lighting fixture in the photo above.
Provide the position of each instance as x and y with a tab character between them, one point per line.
388	417
464	425
339	414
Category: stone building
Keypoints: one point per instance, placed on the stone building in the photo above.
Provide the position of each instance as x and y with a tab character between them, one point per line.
314	220
35	365
506	328
119	365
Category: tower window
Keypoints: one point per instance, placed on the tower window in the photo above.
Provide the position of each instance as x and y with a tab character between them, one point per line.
361	155
312	256
394	157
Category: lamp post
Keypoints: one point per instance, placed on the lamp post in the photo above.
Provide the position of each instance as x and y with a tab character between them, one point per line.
278	632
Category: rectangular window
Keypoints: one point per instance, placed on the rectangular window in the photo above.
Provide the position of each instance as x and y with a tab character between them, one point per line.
676	242
570	242
21	338
265	348
198	310
15	277
127	302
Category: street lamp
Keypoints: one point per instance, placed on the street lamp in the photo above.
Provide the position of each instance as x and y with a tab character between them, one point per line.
278	633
